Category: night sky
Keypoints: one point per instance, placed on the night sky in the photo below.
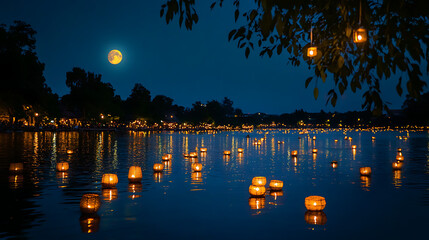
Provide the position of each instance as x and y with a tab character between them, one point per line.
188	66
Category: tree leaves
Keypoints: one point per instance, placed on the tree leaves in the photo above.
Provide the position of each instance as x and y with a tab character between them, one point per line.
316	93
398	87
308	81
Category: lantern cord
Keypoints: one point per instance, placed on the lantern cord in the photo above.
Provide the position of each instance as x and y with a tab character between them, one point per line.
311	36
360	11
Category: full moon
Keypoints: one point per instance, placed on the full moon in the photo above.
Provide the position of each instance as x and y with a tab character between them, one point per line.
115	56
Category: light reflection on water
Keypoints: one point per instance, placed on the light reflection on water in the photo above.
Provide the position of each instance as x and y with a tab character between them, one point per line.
217	197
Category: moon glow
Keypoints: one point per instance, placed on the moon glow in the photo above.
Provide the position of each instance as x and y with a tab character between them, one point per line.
115	56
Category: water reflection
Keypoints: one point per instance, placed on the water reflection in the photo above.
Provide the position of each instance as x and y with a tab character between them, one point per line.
397	178
256	203
89	223
109	194
62	179
315	217
365	182
16	181
157	177
197	177
135	188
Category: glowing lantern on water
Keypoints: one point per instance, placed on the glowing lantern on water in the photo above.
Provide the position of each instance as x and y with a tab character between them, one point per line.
259	181
397	165
315	217
280	142
166	157
16	167
185	155
197	167
345	138
399	150
193	155
90	203
109	194
373	138
109	180
335	140
365	171
334	164
69	151
226	152
315	203
353	146
240	150
89	223
158	167
294	153
314	150
314	137
135	174
256	203
360	35
276	185
257	191
203	149
62	166
399	157
311	51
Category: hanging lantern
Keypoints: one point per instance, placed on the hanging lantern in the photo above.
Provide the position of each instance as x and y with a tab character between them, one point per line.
69	151
365	171
16	167
135	174
360	35
256	203
203	149
89	223
158	167
62	166
90	203
226	152
109	180
315	217
315	203
109	194
311	51
276	185
294	153
334	164
257	191
259	181
240	150
397	165
197	167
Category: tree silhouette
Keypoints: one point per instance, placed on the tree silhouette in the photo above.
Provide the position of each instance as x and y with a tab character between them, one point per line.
398	40
89	96
21	79
138	103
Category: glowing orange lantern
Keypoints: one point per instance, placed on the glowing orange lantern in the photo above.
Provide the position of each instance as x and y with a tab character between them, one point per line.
135	174
89	223
197	167
193	155
373	138
16	167
203	149
315	203
158	167
399	158
314	150
314	137
240	150
62	166
345	138
365	171
399	150
257	191
294	153
315	217
185	155
353	146
360	35
166	157
311	51
397	165
109	180
256	203
109	194
69	151
334	164
280	142
90	203
226	152
259	181
276	185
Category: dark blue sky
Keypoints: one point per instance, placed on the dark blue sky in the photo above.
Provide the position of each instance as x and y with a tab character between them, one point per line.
188	66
